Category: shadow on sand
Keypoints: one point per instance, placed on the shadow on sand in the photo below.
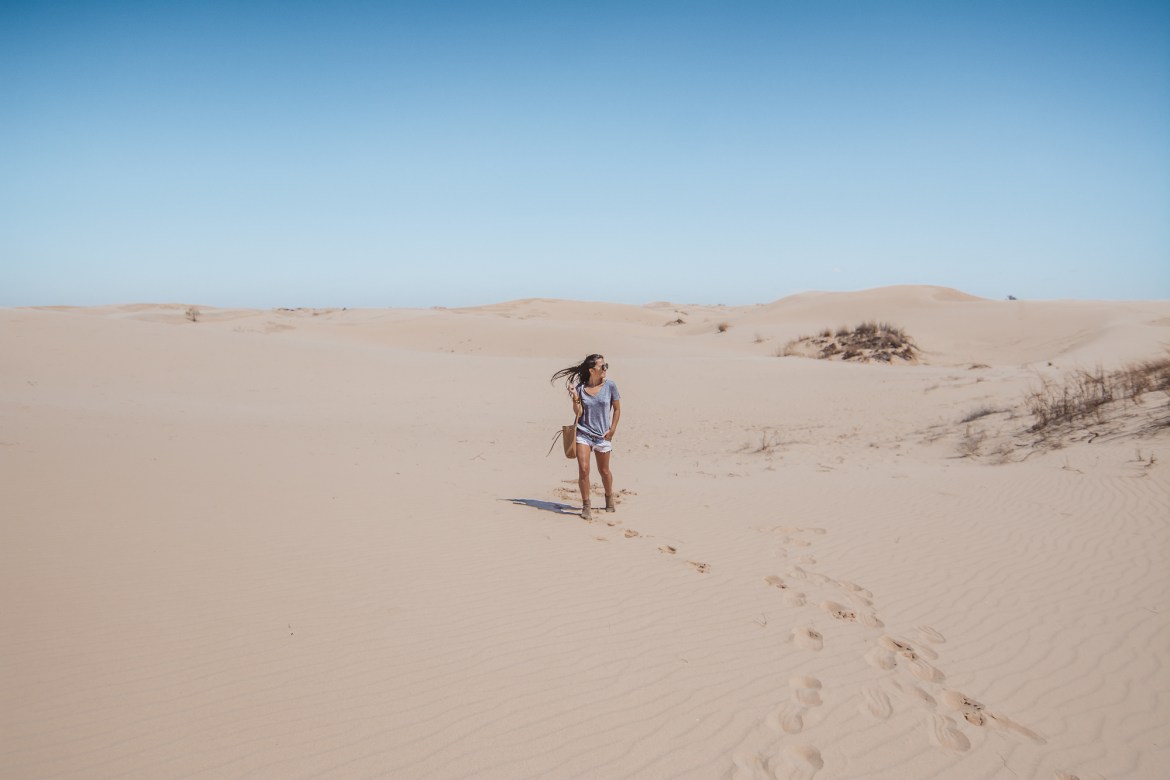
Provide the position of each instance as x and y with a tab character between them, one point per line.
547	506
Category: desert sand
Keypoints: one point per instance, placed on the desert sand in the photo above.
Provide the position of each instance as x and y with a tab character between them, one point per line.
328	543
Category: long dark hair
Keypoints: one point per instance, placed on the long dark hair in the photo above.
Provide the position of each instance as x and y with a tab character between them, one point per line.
578	374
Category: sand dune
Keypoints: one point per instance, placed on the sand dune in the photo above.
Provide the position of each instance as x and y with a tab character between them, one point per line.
328	543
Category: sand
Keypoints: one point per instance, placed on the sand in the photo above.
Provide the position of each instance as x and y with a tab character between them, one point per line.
328	543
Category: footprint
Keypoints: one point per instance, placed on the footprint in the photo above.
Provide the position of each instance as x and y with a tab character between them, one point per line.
806	690
666	548
928	634
880	658
788	718
808	576
748	768
975	718
894	645
794	598
1064	776
961	703
923	671
775	581
701	568
838	611
631	533
944	733
600	539
869	619
877	703
904	649
808	638
798	762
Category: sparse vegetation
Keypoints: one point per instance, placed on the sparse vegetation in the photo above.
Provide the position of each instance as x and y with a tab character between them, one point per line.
769	441
193	314
1080	407
982	411
678	321
971	442
1090	395
723	326
869	341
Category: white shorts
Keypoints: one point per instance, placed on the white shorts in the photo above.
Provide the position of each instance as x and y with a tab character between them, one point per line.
595	443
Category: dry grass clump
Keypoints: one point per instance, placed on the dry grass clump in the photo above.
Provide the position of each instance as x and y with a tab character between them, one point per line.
869	341
1083	406
192	314
723	326
1088	396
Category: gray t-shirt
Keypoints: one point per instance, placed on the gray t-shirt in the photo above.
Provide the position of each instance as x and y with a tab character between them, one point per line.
598	414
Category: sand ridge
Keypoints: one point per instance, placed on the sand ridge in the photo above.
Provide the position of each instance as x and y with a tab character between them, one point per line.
313	543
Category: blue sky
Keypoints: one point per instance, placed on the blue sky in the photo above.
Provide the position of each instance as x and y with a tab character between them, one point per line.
455	153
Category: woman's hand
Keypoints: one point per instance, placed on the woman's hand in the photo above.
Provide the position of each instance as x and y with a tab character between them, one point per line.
573	395
609	435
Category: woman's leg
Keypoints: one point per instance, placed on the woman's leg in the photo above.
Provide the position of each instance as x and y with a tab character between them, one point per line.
606	478
583	477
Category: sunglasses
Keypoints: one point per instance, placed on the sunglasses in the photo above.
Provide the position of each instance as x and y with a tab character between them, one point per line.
603	367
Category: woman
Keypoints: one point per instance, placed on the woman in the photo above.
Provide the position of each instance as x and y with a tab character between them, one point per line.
597	409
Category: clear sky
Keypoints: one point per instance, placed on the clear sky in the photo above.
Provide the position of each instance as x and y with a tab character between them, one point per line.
337	153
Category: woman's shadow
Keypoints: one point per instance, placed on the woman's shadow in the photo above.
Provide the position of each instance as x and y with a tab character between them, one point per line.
547	506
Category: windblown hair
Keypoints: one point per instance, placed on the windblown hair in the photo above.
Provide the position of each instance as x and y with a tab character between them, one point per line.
576	375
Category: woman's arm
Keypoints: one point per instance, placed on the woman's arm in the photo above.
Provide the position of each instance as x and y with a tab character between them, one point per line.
577	407
617	415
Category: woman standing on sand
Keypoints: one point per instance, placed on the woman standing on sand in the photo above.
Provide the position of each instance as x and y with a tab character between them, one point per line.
596	408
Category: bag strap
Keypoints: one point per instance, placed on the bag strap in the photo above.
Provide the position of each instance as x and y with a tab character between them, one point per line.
556	436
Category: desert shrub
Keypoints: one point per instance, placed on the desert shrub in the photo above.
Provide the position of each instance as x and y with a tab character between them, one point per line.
192	314
876	341
1085	395
723	326
1137	379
